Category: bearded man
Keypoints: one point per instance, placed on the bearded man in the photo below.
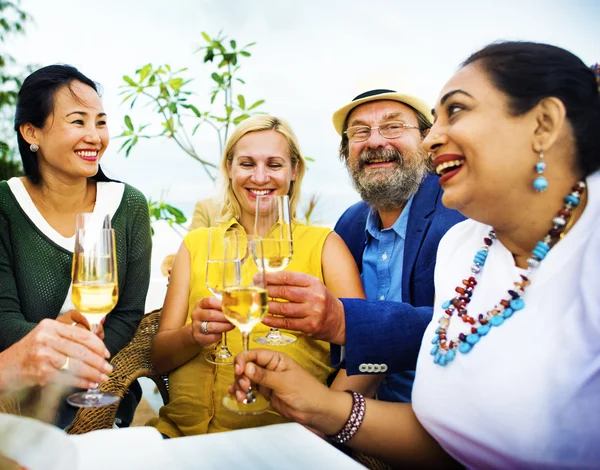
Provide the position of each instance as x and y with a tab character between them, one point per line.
393	234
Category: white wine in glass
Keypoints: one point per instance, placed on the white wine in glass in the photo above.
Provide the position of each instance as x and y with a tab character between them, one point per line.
245	305
272	222
95	291
221	257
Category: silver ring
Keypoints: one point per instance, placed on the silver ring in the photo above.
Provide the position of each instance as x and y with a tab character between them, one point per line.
203	328
65	366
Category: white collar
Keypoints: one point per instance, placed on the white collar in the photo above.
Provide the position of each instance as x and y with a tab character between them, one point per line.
108	199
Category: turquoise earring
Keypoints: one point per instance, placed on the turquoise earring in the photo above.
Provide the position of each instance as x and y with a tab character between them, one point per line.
540	184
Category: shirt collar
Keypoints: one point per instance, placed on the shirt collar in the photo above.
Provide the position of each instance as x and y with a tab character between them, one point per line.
374	222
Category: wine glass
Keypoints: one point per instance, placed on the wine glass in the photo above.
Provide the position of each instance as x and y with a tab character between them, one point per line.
95	289
218	262
273	224
245	305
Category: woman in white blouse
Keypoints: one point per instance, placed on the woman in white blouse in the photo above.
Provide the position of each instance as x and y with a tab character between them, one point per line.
508	374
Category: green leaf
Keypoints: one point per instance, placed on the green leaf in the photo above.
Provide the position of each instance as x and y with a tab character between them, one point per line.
240	118
128	122
256	104
144	72
173	108
206	37
174	211
216	77
124	144
176	83
193	108
245	53
309	159
129	81
233	44
241	102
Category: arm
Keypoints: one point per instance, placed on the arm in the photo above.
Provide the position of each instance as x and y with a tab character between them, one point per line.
339	269
122	322
390	431
374	328
175	342
365	384
343	280
13	325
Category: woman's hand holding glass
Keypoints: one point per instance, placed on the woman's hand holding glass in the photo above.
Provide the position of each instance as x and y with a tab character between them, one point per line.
220	256
208	310
95	287
245	305
292	391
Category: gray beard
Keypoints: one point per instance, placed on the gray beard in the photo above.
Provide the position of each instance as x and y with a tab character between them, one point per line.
388	188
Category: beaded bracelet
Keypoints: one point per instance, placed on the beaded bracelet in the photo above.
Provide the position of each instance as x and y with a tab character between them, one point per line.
354	420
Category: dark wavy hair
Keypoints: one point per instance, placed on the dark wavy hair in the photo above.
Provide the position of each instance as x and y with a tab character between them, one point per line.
528	72
35	103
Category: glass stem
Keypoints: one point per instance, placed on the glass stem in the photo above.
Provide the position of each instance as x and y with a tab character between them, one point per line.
223	340
94	327
246	341
250	398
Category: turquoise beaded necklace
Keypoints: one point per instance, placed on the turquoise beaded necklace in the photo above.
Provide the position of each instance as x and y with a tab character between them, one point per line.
444	351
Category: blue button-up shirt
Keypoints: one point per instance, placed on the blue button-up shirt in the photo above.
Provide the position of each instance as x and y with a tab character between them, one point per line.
382	280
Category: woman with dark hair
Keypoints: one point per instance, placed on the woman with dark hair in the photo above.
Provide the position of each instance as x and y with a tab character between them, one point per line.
62	134
508	375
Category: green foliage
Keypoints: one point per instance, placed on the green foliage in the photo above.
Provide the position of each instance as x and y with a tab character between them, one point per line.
9	167
12	21
160	210
169	93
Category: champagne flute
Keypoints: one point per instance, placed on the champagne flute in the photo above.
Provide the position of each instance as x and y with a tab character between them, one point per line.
219	260
95	290
273	224
245	305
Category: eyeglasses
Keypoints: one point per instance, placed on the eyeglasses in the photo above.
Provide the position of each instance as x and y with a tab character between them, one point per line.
389	130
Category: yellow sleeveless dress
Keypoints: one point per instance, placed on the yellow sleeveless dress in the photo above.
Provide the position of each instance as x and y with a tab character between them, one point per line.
197	387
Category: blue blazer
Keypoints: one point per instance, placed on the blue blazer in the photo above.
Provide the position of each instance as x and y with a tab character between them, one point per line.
386	332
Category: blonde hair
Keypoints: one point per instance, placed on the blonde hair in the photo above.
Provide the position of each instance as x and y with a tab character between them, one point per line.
261	122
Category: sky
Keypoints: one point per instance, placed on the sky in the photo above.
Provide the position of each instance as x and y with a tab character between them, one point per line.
310	58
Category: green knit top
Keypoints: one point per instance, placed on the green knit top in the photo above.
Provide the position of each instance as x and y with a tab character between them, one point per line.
35	272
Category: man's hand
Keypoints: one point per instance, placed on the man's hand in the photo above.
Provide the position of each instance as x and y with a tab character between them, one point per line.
311	308
39	357
209	309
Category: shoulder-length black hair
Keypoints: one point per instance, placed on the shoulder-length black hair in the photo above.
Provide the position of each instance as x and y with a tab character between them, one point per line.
35	103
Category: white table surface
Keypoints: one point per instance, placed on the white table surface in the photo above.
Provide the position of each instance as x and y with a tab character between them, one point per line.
280	446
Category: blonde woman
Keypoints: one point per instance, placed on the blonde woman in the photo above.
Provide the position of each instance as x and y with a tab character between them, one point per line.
261	155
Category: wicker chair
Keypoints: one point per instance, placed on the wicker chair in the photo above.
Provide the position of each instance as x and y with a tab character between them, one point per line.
131	363
10	404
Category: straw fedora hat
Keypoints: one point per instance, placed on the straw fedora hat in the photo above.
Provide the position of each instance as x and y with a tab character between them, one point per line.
339	117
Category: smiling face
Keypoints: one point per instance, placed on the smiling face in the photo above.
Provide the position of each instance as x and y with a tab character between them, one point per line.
261	165
482	152
74	136
386	172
